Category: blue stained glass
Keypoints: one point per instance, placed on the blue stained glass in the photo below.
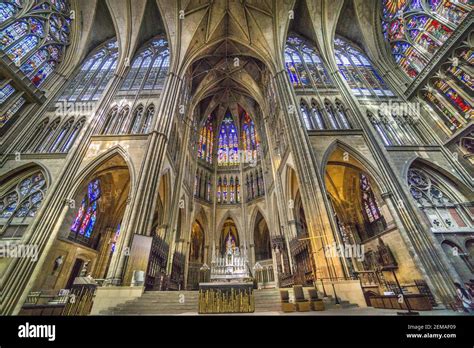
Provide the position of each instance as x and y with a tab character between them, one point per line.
36	26
60	5
5	92
357	70
38	181
34	62
85	221
228	145
42	7
25	186
94	190
13	33
22	48
152	63
23	210
37	197
86	217
79	216
12	111
90	227
32	33
6	11
420	25
43	73
114	241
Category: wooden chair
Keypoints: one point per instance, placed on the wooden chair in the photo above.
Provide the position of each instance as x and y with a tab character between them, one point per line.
316	303
286	305
301	304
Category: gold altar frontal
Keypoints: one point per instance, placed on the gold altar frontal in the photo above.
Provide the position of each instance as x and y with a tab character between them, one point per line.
228	297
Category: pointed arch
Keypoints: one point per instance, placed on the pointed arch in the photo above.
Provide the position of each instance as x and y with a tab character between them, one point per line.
444	200
355	196
229	232
23	193
365	163
87	171
93	75
149	67
304	64
261	237
97	200
358	71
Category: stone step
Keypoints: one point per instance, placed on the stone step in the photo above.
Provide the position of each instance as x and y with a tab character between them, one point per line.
167	302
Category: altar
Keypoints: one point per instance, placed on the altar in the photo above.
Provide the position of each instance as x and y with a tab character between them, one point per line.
226	297
230	289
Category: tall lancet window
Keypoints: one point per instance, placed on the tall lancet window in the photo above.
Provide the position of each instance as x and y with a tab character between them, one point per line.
250	141
370	208
304	65
228	154
357	70
94	74
83	226
416	29
206	140
34	35
149	68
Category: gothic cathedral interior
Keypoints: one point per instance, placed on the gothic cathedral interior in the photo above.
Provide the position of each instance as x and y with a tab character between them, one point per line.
156	147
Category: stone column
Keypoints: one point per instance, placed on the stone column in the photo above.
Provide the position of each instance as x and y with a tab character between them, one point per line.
309	178
143	204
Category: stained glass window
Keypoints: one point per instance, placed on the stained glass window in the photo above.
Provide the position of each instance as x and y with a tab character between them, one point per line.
219	190
304	64
137	120
5	92
115	239
9	8
416	29
449	91
431	197
250	141
36	40
224	190
93	75
357	70
23	200
306	116
83	225
369	205
209	187
228	154
12	111
206	140
149	67
53	136
318	118
140	124
455	98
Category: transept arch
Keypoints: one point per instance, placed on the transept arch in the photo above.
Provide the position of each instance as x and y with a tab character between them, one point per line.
346	153
91	224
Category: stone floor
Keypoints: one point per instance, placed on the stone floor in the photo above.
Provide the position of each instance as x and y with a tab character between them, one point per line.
369	311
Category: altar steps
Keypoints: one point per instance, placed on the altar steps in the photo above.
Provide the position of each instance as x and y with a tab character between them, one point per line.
158	303
186	302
